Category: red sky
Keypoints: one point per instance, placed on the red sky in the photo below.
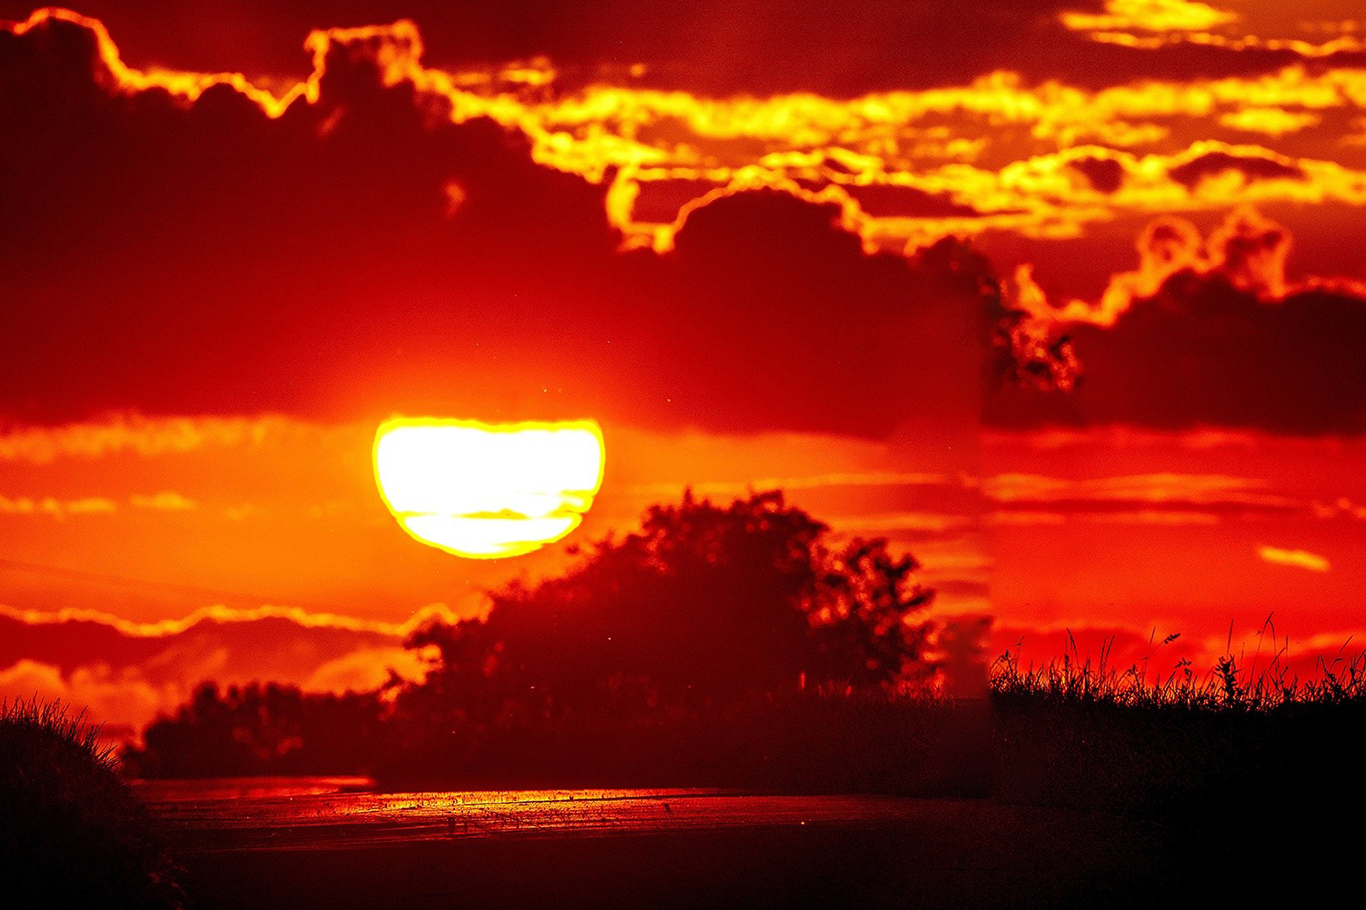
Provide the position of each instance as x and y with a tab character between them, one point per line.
712	231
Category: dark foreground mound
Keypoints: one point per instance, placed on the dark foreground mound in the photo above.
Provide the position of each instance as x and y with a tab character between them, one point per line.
72	834
1256	801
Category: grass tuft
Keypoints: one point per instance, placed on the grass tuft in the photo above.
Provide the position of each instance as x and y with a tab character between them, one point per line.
1236	683
1217	759
72	833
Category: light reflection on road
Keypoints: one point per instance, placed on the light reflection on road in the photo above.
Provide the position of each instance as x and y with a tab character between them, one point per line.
314	813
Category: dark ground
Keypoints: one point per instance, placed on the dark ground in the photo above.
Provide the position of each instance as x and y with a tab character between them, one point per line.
663	849
1093	805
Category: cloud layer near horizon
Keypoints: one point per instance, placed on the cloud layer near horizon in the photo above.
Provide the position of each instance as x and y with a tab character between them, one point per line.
127	673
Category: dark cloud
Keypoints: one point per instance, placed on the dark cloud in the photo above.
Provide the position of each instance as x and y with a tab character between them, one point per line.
1094	64
1252	167
882	200
804	327
1203	352
740	46
124	674
362	255
659	201
1104	174
237	647
1208	331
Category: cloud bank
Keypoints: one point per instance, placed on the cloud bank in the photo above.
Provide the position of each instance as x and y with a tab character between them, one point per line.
129	672
1207	333
360	246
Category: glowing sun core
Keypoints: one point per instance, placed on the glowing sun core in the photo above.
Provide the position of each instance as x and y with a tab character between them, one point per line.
488	490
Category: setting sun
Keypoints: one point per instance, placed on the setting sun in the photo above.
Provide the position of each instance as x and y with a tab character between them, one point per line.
487	491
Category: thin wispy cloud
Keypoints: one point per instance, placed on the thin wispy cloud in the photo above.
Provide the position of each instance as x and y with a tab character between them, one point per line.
1299	559
801	482
165	501
143	436
52	507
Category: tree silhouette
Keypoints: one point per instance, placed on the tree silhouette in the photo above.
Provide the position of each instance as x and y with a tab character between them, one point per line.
703	603
645	654
261	729
863	613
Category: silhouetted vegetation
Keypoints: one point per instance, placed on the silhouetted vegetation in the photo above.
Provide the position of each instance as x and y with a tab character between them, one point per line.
1229	761
804	742
735	646
692	651
72	833
724	645
703	605
260	729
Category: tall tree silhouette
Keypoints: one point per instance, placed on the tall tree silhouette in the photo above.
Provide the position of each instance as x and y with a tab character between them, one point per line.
704	602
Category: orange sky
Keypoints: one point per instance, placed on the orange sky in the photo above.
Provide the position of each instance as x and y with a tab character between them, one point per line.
288	510
235	251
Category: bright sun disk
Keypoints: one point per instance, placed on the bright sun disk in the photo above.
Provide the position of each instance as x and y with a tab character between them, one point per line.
488	490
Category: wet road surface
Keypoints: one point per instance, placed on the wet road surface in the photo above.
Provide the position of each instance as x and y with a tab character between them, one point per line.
330	843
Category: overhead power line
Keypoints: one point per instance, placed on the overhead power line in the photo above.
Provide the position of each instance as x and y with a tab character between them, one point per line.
147	585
